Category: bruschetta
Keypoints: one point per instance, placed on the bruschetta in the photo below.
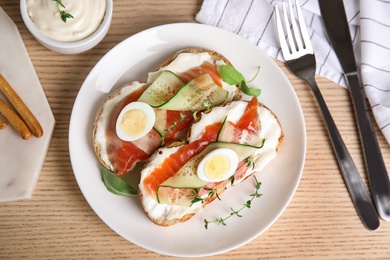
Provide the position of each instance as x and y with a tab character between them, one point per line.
140	117
224	146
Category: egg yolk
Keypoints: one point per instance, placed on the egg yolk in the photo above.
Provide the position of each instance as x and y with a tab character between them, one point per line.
134	122
217	166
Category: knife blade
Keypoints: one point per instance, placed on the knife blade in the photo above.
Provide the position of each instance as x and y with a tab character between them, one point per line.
336	25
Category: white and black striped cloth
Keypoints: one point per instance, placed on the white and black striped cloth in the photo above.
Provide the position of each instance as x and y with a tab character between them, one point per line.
370	30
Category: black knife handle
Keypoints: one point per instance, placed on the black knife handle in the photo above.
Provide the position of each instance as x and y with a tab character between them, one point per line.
378	178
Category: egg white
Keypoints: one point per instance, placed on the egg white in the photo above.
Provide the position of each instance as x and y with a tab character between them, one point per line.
150	120
233	163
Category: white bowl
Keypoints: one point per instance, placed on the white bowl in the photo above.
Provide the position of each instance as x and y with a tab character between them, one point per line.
69	47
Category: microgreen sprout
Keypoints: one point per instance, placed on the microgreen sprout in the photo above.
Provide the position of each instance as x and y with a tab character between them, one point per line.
231	76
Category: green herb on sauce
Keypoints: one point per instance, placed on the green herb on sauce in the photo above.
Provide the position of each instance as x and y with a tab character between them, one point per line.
64	15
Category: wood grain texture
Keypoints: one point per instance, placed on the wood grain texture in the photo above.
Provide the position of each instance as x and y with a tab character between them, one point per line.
57	223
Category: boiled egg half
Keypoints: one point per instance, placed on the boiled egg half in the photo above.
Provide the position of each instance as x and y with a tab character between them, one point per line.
218	165
135	121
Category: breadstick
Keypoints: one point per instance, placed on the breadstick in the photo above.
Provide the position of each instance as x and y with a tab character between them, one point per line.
14	120
20	107
3	123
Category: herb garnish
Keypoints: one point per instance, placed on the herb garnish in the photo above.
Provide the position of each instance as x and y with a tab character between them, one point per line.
250	160
197	198
64	15
247	204
194	115
231	76
115	184
207	105
171	128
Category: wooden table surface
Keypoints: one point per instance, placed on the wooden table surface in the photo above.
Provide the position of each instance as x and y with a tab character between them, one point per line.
58	223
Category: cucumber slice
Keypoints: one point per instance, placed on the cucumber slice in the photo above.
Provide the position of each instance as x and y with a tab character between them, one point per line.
181	188
161	121
176	196
231	134
198	94
243	150
162	89
219	135
186	177
169	92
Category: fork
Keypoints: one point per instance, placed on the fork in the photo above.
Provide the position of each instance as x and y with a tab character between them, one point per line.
298	53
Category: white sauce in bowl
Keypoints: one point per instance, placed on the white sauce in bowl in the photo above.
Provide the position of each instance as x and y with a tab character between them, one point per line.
88	15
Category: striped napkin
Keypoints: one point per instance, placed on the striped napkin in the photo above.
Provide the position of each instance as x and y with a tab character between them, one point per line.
370	30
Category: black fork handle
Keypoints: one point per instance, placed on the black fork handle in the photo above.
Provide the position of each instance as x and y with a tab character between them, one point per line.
352	178
356	188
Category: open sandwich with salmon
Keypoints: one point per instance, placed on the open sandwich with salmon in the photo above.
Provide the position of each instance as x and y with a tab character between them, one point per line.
191	130
139	117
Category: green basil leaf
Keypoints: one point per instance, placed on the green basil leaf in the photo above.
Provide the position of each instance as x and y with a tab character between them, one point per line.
230	75
250	91
115	184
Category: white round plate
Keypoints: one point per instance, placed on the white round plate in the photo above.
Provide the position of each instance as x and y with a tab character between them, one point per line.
131	60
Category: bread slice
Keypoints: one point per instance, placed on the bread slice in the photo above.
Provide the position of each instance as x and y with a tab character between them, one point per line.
214	55
102	117
168	217
100	121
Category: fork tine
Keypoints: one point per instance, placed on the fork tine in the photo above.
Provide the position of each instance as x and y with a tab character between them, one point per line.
282	39
297	34
288	31
297	44
302	26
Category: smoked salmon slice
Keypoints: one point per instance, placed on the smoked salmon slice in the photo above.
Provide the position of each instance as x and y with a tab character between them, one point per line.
124	156
250	120
206	67
177	122
175	161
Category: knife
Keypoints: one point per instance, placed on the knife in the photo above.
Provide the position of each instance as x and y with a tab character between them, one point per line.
336	24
